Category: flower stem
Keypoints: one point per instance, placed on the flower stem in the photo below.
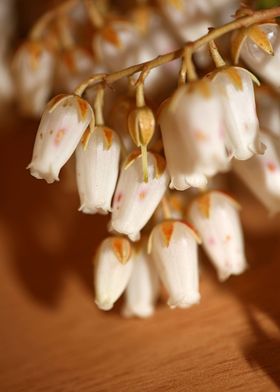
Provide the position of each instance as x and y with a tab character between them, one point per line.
244	21
215	54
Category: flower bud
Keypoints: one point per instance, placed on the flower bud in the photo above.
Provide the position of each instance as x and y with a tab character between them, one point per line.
143	287
261	174
261	52
216	219
193	135
33	72
173	246
113	268
135	200
63	124
141	125
239	109
97	169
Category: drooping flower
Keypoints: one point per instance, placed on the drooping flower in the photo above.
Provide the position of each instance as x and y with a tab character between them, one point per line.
73	67
62	126
268	108
239	110
255	45
97	168
33	69
113	268
143	287
193	135
261	174
173	246
215	216
135	200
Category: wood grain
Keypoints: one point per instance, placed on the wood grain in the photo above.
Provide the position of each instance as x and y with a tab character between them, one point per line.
54	339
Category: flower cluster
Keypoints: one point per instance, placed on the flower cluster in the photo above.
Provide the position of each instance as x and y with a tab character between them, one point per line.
136	163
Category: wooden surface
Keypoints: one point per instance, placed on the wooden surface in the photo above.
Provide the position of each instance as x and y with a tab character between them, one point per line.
52	337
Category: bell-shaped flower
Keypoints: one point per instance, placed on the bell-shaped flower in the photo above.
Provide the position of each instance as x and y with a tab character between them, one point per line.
261	174
62	126
239	109
97	168
173	246
215	217
33	69
116	45
193	135
73	67
136	200
113	268
143	287
268	109
255	45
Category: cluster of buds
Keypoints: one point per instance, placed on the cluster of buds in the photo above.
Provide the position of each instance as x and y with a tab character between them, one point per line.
127	158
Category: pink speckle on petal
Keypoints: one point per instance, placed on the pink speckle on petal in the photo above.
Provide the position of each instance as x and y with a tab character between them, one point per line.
211	241
118	198
59	136
142	194
271	166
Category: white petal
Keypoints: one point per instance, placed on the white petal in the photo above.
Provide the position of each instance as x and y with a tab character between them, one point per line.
97	169
261	174
262	63
59	133
113	268
143	287
193	136
174	250
216	219
33	71
135	201
239	109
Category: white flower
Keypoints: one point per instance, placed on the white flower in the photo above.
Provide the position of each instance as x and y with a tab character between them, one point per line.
116	45
193	135
113	268
97	169
143	287
259	60
239	109
33	69
63	124
135	200
173	246
262	174
215	216
73	67
268	108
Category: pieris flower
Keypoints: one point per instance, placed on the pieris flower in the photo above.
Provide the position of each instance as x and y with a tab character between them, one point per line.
135	200
215	216
261	174
97	168
173	246
63	124
33	69
193	135
113	268
268	109
239	110
143	286
255	45
73	67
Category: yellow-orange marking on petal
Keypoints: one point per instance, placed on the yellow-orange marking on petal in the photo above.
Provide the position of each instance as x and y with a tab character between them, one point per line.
108	137
122	249
110	35
83	108
233	74
131	158
160	164
204	205
167	229
200	136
